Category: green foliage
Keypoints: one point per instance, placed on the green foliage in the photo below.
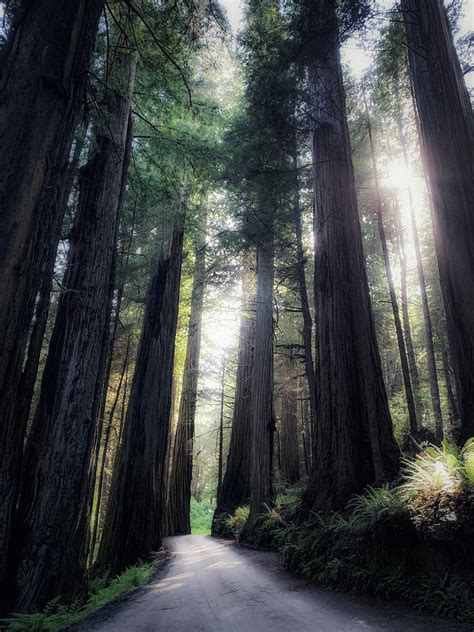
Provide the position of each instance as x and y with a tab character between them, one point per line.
446	471
237	521
57	615
201	516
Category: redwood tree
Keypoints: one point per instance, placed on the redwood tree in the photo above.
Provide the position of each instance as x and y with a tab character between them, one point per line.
179	498
134	520
446	124
53	510
354	444
43	79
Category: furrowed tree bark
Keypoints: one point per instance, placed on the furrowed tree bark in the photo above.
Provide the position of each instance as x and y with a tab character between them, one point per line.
134	521
263	421
43	80
413	422
354	444
235	489
446	125
289	441
35	343
179	498
452	403
54	503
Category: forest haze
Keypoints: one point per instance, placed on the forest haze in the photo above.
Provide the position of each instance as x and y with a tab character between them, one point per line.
236	294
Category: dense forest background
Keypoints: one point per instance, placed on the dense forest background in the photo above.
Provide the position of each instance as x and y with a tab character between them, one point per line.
237	285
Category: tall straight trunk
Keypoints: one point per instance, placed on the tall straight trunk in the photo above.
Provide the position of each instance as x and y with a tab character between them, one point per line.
430	351
100	492
235	488
134	521
35	343
263	421
54	503
179	498
289	440
446	125
305	309
220	457
354	444
413	421
43	80
452	403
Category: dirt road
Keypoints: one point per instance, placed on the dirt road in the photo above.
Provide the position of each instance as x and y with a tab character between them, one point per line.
213	586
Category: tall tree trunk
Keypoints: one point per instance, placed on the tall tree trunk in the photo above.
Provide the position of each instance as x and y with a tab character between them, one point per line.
30	371
235	488
391	286
57	464
134	521
179	498
220	458
452	403
43	80
354	444
263	421
307	319
446	124
289	441
100	492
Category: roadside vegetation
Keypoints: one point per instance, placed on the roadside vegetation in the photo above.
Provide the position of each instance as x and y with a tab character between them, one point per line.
412	542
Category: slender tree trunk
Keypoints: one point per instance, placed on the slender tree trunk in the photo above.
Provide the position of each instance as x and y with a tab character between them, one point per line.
354	444
307	319
446	125
235	488
393	295
290	459
52	555
179	498
263	421
134	521
100	492
43	80
220	463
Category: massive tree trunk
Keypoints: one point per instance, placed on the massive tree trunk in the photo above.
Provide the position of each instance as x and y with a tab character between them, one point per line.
134	520
179	498
413	422
354	444
53	513
446	125
43	79
235	488
35	344
289	440
263	421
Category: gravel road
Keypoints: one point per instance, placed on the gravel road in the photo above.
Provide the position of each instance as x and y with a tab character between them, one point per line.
213	586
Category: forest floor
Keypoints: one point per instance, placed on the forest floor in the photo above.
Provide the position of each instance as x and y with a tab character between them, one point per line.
213	585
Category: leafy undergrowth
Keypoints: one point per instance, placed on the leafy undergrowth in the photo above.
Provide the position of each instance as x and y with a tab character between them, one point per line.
413	542
58	616
201	516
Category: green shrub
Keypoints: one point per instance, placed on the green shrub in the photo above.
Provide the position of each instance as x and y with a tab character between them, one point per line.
237	521
57	615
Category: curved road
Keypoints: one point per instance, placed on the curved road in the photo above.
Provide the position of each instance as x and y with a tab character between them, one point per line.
213	586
